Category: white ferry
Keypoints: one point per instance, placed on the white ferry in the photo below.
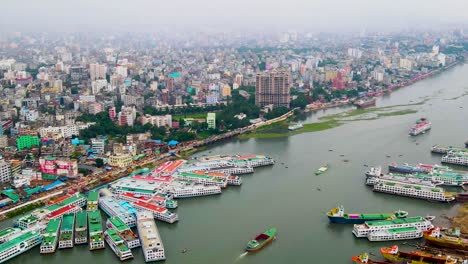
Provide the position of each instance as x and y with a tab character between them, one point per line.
66	231
27	221
253	160
185	189
407	178
117	245
151	242
395	234
159	213
19	245
421	126
7	233
363	230
50	237
130	238
162	201
120	208
295	126
202	179
456	158
223	167
413	190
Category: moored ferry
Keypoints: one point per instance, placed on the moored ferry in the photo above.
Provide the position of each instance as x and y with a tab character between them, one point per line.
293	127
66	231
413	190
253	160
450	178
202	179
399	233
458	158
8	233
451	238
81	228
120	208
158	200
394	255
117	245
130	238
374	172
338	215
96	236
366	102
446	149
421	126
363	230
185	189
421	179
151	242
50	237
407	168
159	213
27	221
93	198
19	245
230	179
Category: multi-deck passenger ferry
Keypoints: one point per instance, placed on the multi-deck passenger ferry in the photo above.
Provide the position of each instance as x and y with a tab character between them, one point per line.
363	230
458	158
253	160
399	233
202	179
151	242
117	245
81	228
124	231
162	201
8	233
50	236
446	149
421	179
413	190
19	245
27	221
120	208
66	231
421	126
159	213
185	189
93	198
96	236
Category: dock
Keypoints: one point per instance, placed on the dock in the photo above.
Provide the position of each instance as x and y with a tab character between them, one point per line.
66	231
96	235
81	228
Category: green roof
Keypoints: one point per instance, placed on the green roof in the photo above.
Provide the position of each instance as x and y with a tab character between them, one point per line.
402	229
65	202
28	218
68	221
50	235
17	240
397	221
137	189
81	219
93	196
94	221
199	176
118	223
117	240
8	231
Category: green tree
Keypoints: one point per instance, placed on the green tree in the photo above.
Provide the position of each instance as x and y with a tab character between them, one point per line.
99	162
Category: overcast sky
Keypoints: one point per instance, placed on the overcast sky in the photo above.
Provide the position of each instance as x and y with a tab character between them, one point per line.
152	15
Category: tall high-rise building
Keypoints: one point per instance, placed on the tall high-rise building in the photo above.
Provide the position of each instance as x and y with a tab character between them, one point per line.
97	71
76	74
272	87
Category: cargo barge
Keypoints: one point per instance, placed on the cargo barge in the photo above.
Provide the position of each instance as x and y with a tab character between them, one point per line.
338	215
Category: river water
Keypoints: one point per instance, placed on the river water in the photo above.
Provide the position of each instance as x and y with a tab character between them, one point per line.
215	229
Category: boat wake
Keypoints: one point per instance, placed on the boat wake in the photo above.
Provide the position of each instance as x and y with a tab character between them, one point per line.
241	256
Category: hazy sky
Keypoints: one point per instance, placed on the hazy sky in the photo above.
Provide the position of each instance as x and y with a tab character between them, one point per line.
151	15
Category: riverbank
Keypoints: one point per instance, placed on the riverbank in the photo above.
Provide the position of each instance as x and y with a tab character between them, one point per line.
461	218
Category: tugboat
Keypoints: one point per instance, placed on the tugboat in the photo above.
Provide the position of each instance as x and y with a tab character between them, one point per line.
364	103
293	127
261	240
321	170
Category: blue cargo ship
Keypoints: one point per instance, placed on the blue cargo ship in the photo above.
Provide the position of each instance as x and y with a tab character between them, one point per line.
338	216
406	168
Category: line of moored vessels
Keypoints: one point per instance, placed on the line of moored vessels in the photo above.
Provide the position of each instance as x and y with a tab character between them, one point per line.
135	201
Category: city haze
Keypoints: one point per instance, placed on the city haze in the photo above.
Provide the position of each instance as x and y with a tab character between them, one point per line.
149	16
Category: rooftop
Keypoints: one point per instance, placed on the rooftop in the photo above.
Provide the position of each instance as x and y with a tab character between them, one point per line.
93	196
81	219
397	221
118	223
8	231
65	202
402	229
68	221
94	221
50	235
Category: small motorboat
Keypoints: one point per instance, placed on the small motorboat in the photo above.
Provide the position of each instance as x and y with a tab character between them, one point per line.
321	170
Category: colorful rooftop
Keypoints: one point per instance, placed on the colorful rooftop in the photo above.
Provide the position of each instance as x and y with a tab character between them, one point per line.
8	231
81	220
50	234
68	221
61	211
402	229
65	202
118	223
151	207
94	221
93	196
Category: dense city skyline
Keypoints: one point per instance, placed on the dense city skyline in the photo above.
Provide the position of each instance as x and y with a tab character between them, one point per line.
243	15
